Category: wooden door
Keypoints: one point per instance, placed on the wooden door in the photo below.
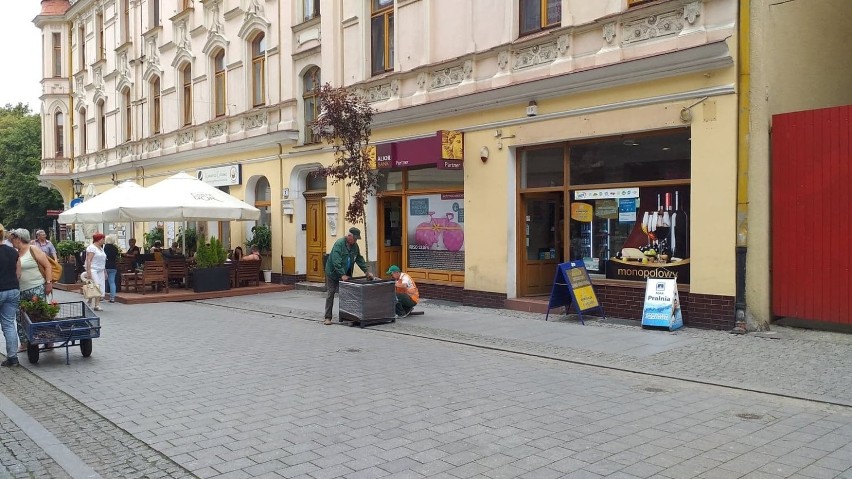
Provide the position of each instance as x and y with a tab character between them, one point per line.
390	233
315	225
538	237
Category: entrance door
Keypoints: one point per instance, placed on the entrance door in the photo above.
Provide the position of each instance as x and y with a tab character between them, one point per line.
541	245
315	226
390	233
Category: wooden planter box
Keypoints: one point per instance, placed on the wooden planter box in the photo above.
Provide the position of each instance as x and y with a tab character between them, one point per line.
211	279
367	302
69	273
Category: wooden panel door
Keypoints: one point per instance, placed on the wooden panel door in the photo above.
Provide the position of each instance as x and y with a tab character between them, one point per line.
315	240
538	242
390	234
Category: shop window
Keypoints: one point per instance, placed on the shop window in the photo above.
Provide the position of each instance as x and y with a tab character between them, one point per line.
381	35
538	15
219	83
543	167
258	70
433	178
390	180
311	81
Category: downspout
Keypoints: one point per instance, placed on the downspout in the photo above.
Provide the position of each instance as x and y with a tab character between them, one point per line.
280	203
70	99
743	121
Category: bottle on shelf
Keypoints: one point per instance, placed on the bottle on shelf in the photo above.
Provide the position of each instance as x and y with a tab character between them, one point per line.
679	235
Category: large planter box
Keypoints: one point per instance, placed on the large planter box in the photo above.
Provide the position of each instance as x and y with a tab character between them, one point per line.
69	273
211	279
367	302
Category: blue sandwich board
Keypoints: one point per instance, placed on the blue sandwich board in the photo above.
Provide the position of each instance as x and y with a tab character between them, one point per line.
573	285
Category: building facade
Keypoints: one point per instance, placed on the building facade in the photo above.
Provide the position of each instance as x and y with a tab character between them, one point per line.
510	136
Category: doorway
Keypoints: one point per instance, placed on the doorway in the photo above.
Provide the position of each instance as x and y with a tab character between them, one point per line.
390	233
541	246
315	237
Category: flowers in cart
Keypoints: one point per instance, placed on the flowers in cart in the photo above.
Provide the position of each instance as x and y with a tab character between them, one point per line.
39	310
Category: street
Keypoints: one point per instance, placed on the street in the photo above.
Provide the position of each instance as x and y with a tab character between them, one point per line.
255	386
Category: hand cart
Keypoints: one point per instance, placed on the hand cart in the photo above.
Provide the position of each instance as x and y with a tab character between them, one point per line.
365	302
74	324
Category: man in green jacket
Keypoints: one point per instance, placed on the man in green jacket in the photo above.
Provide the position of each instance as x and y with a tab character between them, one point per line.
345	254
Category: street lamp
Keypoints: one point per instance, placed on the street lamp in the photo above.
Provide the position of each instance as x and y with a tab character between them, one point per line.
78	187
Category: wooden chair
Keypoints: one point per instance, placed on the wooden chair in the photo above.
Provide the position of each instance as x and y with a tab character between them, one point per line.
154	274
248	272
126	272
177	269
232	267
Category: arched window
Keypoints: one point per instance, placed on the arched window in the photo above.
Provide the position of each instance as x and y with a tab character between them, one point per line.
156	115
311	81
258	70
59	134
84	141
263	201
128	118
219	92
186	96
101	126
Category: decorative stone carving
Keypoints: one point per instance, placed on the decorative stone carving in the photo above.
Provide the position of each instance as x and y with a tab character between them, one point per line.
395	85
216	130
446	77
535	55
100	87
468	69
654	26
182	36
185	137
215	22
79	92
331	210
253	121
124	151
422	79
153	145
691	12
503	60
379	92
609	32
100	158
562	45
153	59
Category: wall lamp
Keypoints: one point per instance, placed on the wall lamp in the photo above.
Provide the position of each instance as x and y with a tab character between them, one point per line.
78	187
686	112
483	154
532	108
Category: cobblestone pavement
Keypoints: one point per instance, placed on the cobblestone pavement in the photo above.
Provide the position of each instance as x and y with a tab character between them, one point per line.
245	388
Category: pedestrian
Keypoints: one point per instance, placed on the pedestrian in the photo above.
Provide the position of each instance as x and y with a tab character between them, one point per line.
4	236
10	297
407	295
96	267
111	252
45	245
253	256
32	282
344	255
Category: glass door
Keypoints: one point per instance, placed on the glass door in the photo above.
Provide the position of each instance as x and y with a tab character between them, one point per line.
540	238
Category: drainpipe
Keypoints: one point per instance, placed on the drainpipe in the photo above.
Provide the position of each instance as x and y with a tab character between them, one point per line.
743	100
280	203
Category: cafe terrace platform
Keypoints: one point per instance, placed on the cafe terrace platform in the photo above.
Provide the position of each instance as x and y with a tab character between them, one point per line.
181	294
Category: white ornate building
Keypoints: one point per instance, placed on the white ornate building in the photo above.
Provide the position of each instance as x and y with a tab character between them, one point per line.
556	101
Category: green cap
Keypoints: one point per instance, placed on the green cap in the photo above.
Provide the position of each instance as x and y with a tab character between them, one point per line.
393	269
355	232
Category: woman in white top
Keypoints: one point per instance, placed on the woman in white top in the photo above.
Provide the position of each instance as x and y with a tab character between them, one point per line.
32	282
96	267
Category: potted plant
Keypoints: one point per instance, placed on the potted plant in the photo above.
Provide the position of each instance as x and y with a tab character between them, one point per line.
156	234
210	273
191	240
69	256
261	236
38	310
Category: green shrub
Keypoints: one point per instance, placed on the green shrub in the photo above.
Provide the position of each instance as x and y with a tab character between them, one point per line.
210	254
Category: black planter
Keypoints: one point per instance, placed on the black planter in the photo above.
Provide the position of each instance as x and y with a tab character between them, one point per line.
211	279
69	273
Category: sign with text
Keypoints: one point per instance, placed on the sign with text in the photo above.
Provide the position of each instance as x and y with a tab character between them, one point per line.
220	175
662	305
436	231
572	284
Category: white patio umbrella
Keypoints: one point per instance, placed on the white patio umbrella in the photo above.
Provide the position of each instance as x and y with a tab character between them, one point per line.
107	206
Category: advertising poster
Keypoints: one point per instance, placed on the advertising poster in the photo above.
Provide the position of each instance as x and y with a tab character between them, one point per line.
662	304
436	231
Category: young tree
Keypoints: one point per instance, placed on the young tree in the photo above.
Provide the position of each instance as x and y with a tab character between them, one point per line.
344	123
23	202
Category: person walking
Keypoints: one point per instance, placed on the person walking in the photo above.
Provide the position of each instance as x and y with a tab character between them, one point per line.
96	267
45	245
407	295
10	297
32	282
344	255
111	252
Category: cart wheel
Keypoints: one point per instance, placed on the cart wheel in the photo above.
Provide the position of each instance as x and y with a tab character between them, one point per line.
32	353
86	347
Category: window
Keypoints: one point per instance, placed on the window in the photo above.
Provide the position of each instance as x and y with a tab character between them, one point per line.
543	167
57	54
381	27
538	15
81	46
311	88
156	125
263	201
258	70
155	13
84	143
184	4
219	91
59	134
101	126
99	27
128	123
125	21
633	3
312	9
432	178
186	97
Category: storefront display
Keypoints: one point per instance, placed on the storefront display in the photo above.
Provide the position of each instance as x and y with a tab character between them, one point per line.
436	231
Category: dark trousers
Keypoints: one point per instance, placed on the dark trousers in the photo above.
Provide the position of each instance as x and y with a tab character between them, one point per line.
404	303
331	288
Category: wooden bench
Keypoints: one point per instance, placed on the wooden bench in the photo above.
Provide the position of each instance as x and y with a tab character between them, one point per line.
248	272
178	270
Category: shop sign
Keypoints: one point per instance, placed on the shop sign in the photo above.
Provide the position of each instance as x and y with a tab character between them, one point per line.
581	212
607	209
572	284
436	231
662	304
607	193
220	175
627	210
444	149
638	271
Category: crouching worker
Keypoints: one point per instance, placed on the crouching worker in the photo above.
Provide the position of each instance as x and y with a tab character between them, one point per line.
406	291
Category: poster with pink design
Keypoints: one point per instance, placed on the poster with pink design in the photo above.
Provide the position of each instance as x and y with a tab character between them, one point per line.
436	231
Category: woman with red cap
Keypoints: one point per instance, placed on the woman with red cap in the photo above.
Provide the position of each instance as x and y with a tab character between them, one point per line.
96	267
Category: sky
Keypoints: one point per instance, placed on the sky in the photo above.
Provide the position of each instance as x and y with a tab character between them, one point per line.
20	54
